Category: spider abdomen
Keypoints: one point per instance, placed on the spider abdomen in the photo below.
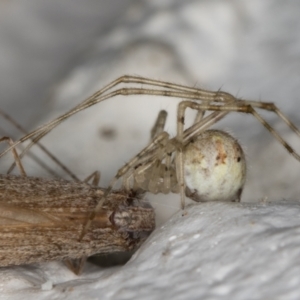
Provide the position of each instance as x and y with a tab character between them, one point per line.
215	167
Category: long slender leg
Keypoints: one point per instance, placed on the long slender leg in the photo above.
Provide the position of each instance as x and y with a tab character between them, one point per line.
157	129
167	89
159	124
175	90
35	158
15	155
200	95
167	174
204	124
233	107
273	108
95	176
199	116
155	174
127	181
45	150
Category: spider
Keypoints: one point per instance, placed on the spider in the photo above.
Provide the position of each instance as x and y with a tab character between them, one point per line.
214	166
166	164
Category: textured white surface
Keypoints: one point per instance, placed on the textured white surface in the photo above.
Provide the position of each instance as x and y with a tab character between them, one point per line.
218	251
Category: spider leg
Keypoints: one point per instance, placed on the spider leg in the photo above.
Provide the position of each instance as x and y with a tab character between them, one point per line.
170	90
156	171
95	176
231	107
273	108
37	159
199	116
159	124
167	90
204	124
158	128
15	155
167	173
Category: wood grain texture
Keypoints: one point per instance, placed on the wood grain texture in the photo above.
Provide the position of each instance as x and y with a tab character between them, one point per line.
41	220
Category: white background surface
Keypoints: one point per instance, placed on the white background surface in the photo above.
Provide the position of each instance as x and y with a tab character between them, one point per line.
54	55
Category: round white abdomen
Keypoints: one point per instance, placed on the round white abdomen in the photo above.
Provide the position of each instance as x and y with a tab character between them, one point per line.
215	167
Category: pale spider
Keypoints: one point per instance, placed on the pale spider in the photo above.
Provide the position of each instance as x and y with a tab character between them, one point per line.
160	167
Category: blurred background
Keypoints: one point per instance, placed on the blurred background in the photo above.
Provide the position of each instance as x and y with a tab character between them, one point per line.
53	54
